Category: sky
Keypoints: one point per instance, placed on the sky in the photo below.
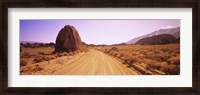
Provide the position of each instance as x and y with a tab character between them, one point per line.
93	31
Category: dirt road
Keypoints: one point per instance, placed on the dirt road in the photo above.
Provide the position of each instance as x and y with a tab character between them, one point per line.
95	63
91	63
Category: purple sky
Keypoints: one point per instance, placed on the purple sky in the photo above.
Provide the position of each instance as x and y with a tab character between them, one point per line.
92	31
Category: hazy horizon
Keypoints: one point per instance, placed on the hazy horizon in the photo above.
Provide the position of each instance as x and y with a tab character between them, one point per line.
93	31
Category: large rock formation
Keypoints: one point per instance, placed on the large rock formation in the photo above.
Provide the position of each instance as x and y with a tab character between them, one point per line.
68	40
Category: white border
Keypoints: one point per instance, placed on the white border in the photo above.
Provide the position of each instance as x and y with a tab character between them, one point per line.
183	80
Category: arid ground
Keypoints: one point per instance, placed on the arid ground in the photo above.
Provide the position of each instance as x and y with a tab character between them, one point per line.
102	60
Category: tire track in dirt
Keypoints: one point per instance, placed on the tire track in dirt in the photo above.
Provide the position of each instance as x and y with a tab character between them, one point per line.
94	63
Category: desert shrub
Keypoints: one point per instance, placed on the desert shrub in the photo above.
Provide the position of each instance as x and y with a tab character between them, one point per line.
173	54
138	59
122	57
133	59
177	51
25	54
127	61
171	69
41	53
59	54
66	54
141	58
144	52
124	54
114	54
156	52
152	63
38	68
47	58
75	52
111	52
114	48
33	54
157	65
164	49
70	53
150	53
154	57
130	60
23	61
108	51
159	57
164	57
164	66
174	60
78	51
53	56
38	59
141	70
134	53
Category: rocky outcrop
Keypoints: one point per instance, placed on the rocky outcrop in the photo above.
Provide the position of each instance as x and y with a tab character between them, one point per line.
68	40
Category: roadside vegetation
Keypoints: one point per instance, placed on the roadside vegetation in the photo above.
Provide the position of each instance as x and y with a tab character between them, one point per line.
147	59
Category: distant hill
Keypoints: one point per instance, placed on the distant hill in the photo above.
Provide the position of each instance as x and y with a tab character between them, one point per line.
177	40
30	42
157	39
172	31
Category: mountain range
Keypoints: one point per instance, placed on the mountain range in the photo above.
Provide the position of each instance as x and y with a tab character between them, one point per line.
172	31
157	39
30	42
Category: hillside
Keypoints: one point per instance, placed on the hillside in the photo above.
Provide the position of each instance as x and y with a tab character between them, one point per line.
172	31
158	39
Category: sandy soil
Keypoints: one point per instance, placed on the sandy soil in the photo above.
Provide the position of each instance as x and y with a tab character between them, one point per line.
91	63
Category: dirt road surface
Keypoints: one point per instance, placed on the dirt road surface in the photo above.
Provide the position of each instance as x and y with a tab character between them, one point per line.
91	63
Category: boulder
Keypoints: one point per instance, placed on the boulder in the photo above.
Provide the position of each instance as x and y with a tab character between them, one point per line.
68	40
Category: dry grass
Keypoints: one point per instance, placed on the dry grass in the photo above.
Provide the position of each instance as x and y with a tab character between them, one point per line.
48	57
23	62
31	59
165	58
44	53
147	59
38	59
174	60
